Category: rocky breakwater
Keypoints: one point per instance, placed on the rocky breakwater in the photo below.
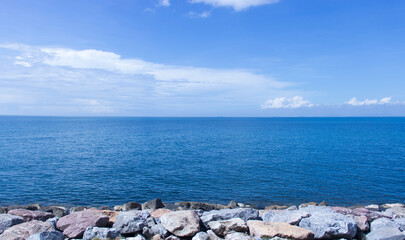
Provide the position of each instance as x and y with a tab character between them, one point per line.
154	220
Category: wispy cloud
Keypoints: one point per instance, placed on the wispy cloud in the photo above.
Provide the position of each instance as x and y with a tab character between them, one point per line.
283	102
237	5
367	102
204	14
164	3
62	81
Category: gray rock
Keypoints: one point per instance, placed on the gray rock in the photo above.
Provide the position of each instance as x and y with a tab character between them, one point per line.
78	209
29	215
137	237
226	214
159	229
401	223
128	206
201	236
53	221
8	220
221	228
147	232
386	234
31	207
238	236
181	223
212	235
328	224
172	237
373	207
152	205
199	206
49	235
131	221
102	233
384	223
396	212
58	211
391	205
287	216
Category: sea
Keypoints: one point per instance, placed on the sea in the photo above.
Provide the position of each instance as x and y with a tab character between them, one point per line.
261	161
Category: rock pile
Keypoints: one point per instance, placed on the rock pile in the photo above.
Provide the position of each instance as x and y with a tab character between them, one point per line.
203	221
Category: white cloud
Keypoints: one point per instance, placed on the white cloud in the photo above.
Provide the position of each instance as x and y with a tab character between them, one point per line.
164	3
61	80
204	14
237	5
283	102
367	102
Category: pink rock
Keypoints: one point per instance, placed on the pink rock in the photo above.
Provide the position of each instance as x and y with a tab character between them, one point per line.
159	212
24	230
75	224
342	210
31	215
362	223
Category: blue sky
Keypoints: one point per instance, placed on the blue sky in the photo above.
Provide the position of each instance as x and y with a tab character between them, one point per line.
202	57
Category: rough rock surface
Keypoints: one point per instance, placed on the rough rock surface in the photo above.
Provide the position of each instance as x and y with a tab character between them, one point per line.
128	206
181	223
137	237
159	212
57	211
75	224
373	207
325	223
212	235
8	220
112	215
49	235
287	216
391	205
201	236
226	214
238	236
200	206
29	215
396	212
221	228
24	230
152	205
53	221
102	233
131	221
362	223
262	229
78	209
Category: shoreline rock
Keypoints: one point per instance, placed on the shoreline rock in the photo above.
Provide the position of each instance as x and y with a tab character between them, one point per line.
204	221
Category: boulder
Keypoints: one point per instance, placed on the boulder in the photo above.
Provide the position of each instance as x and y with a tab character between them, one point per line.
112	215
238	236
386	234
128	206
57	211
29	215
53	221
199	206
212	235
181	223
78	209
308	204
137	237
401	223
262	230
24	230
391	205
158	237
152	205
75	224
292	217
101	233
226	214
362	223
395	212
201	236
323	203
31	207
275	207
131	221
328	224
384	223
172	237
48	235
373	207
8	220
159	212
221	228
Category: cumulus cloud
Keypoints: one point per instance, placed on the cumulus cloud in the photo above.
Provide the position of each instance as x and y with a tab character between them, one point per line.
237	5
283	102
367	102
164	3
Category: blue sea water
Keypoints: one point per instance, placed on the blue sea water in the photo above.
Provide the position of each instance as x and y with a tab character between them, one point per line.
108	161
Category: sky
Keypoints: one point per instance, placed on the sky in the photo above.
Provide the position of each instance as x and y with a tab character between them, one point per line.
208	58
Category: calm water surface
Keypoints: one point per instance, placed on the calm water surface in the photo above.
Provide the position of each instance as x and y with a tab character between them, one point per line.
107	161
